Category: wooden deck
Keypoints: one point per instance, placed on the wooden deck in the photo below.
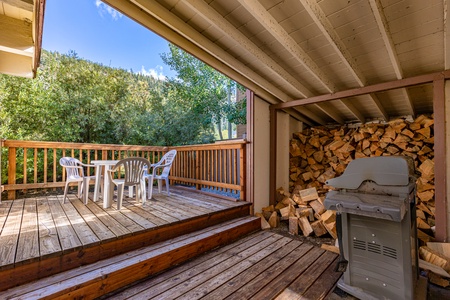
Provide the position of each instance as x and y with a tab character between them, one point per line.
264	265
41	236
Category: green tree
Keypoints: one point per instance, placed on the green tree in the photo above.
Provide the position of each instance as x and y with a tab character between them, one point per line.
202	89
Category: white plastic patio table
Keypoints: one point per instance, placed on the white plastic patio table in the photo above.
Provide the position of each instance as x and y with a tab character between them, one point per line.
98	173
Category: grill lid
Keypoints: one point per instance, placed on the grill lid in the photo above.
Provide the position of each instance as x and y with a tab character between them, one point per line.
383	170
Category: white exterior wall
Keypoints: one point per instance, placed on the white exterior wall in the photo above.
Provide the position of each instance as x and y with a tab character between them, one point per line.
286	125
283	137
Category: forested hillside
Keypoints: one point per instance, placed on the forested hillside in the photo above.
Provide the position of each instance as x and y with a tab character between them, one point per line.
74	100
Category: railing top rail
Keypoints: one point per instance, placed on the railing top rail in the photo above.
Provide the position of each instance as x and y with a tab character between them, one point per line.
232	144
64	145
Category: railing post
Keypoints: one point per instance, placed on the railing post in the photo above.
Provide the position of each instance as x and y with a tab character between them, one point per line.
197	168
242	172
11	171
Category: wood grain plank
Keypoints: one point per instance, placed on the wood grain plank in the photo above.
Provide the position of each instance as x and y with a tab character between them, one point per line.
100	229
142	211
5	207
259	282
203	262
201	277
83	231
122	218
324	285
118	229
225	275
246	276
28	243
273	288
67	235
10	233
141	221
48	237
303	283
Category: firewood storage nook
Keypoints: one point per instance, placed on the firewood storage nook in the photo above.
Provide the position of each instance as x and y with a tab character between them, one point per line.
437	82
376	199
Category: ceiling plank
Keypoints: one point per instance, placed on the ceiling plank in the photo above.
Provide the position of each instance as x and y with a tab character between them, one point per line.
321	21
383	27
354	111
446	35
217	20
330	112
277	31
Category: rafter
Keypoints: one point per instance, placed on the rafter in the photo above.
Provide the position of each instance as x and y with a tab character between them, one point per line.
383	27
277	31
218	21
321	21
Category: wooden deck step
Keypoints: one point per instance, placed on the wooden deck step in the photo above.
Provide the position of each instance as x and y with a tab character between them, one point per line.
94	280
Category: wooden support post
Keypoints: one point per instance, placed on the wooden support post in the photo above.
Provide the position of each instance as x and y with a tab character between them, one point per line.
242	168
273	156
440	159
249	185
11	171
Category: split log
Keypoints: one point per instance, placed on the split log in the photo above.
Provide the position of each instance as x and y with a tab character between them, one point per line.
305	226
293	225
264	223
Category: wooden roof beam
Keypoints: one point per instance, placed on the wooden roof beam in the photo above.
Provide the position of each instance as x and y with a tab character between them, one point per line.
385	86
321	21
218	21
277	31
383	27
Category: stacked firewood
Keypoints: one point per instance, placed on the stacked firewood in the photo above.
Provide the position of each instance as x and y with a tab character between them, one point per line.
435	259
302	209
321	153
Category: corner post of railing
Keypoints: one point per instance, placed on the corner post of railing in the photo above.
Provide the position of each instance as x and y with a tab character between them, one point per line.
242	171
11	171
1	185
104	154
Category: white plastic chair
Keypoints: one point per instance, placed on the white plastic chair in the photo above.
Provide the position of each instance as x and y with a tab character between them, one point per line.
160	172
75	173
133	170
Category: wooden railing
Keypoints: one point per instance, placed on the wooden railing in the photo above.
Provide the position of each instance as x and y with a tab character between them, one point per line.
218	167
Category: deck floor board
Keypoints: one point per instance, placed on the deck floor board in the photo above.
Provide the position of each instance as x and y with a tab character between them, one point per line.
48	237
264	265
43	227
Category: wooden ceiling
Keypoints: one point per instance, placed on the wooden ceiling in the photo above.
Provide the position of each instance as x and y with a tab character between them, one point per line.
20	36
288	50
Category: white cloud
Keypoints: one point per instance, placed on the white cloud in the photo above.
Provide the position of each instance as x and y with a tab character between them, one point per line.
105	9
155	73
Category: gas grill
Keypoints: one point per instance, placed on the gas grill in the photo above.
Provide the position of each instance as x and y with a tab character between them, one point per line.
376	200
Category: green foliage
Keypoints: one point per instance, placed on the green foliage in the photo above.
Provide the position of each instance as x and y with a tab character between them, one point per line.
74	100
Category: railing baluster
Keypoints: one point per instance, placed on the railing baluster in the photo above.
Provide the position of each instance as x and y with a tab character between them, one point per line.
216	166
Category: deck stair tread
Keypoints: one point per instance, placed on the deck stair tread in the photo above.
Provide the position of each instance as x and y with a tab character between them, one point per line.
110	274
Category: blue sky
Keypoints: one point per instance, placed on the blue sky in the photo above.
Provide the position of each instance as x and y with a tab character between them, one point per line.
100	34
